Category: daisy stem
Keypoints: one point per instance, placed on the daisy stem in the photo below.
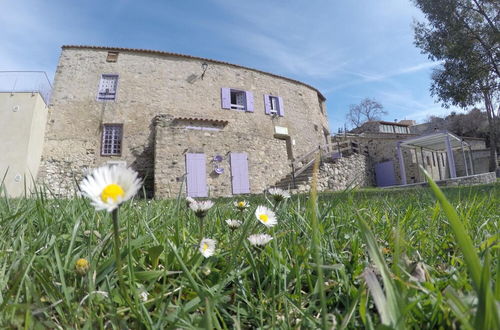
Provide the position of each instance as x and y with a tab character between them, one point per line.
118	260
201	227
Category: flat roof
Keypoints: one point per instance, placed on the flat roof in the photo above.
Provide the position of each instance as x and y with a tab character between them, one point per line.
159	52
393	123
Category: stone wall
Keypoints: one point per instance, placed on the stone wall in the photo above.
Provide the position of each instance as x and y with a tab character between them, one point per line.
267	158
480	161
342	173
483	178
153	83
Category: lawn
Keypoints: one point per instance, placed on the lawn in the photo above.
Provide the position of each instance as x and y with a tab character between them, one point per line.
322	268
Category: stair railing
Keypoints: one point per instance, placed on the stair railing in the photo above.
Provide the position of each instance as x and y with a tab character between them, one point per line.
327	151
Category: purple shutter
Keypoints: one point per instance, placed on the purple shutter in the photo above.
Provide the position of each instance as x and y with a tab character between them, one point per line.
267	104
239	173
226	98
196	175
281	108
249	99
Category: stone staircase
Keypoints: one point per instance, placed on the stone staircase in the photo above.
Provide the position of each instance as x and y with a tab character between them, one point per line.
302	168
287	183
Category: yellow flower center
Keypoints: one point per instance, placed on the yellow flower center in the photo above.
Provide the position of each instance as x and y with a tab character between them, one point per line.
82	263
241	204
205	246
112	191
264	218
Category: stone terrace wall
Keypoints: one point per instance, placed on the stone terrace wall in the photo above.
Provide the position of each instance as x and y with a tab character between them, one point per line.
477	179
355	170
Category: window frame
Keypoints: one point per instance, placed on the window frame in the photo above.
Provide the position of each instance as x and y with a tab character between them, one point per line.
226	96
236	106
120	141
105	99
275	108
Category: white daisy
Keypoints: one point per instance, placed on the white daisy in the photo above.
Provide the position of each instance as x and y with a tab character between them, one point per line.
107	187
201	208
207	247
278	194
241	205
233	224
144	296
189	200
266	216
259	239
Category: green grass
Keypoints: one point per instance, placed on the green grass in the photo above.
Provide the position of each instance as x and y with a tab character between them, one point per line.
353	252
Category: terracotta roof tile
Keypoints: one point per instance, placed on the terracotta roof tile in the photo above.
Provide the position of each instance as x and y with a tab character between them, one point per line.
208	120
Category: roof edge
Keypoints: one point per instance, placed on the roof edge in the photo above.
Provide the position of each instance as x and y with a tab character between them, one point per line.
159	52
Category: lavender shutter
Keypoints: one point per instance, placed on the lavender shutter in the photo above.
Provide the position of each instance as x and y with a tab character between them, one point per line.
239	173
226	98
267	104
196	175
281	108
249	99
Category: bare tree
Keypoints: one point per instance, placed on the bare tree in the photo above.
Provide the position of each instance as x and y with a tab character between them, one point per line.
367	110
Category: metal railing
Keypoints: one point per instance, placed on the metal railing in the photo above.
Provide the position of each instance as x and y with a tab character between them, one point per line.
26	82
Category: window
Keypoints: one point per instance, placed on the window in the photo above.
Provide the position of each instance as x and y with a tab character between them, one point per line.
107	87
401	129
386	128
111	144
274	105
237	99
112	57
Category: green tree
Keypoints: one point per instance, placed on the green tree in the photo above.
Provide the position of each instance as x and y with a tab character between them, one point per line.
464	36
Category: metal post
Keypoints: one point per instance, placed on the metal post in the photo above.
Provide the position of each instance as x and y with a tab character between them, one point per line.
293	177
465	159
422	156
451	159
418	169
439	166
401	164
471	162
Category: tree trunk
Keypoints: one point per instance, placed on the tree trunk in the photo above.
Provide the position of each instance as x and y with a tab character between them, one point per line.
492	130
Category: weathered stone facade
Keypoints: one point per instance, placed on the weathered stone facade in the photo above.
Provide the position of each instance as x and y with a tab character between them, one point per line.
267	158
152	83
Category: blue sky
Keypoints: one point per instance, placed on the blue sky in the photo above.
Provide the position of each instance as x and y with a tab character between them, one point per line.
349	50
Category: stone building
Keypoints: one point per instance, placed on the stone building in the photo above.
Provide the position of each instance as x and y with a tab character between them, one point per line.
381	141
186	124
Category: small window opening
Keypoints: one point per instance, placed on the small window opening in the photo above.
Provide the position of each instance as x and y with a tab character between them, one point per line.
112	57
